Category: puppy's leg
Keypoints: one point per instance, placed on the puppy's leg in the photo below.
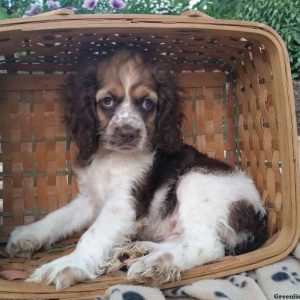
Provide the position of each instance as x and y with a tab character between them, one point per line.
75	216
169	258
114	222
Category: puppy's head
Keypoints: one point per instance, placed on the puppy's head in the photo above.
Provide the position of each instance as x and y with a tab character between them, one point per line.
124	104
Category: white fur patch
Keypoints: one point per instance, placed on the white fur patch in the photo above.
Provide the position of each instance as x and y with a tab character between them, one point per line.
127	114
128	76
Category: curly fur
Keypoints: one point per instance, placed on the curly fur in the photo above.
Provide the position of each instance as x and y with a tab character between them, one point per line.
80	113
169	119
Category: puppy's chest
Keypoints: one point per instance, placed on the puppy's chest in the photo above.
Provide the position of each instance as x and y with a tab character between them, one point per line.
112	176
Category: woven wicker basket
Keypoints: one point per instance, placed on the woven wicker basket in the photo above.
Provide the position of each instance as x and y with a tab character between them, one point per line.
239	108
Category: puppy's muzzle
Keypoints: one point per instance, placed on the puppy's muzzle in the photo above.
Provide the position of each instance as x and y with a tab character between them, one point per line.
127	135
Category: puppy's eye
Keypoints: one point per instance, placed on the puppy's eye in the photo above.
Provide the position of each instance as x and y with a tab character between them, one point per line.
108	102
148	104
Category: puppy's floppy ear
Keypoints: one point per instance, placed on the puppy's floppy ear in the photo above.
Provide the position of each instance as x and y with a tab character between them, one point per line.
169	115
80	113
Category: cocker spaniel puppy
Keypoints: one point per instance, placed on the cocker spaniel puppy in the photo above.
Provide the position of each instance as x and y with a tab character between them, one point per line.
137	178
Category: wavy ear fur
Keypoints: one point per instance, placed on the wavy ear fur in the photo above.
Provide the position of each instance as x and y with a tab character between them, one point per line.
80	113
169	116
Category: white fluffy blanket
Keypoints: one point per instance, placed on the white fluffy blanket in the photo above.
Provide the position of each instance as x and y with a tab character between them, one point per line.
277	281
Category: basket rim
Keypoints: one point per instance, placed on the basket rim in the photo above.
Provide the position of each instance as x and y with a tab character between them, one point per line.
136	18
138	21
151	18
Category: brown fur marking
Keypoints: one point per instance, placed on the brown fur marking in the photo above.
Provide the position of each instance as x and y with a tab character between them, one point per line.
243	219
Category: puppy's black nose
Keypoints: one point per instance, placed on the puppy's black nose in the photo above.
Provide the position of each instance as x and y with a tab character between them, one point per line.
129	133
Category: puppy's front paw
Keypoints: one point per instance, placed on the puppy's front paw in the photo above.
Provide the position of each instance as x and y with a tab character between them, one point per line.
23	241
63	272
154	269
122	256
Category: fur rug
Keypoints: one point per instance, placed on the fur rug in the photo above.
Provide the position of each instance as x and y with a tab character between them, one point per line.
277	281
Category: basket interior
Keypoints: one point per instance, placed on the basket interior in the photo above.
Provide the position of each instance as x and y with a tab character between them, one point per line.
229	109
